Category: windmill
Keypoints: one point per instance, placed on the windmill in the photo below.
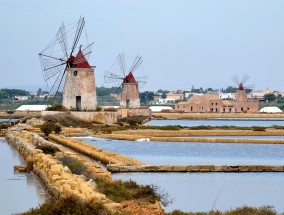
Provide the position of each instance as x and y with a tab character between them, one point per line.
128	84
66	70
241	86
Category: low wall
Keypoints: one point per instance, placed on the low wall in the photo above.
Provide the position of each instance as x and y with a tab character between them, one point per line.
146	112
175	115
58	181
108	118
95	152
196	168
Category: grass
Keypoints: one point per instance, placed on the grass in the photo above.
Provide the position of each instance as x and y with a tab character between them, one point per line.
70	206
56	107
245	210
75	166
119	191
109	129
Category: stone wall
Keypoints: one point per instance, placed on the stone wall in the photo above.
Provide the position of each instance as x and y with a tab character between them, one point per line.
134	112
80	82
102	117
58	181
95	152
196	168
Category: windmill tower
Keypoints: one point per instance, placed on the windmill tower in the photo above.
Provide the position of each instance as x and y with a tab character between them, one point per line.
241	95
69	78
129	97
242	103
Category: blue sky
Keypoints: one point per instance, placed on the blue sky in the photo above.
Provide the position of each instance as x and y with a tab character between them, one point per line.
183	42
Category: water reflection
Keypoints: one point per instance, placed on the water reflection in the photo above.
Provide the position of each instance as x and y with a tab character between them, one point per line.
19	191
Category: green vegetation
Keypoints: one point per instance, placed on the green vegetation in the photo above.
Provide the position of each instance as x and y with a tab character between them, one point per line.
10	93
49	127
146	97
99	108
171	127
8	104
103	91
67	120
70	206
258	128
134	120
75	166
269	97
119	191
48	149
245	210
56	107
109	129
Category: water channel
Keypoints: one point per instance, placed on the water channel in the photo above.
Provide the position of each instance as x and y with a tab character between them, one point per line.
206	191
244	123
19	191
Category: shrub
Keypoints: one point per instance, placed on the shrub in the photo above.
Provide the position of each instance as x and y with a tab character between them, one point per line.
48	127
119	191
136	120
258	128
110	109
56	107
170	127
99	108
48	149
66	120
70	206
75	166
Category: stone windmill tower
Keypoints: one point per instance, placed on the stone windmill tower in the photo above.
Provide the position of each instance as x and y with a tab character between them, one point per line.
69	78
241	95
79	87
129	96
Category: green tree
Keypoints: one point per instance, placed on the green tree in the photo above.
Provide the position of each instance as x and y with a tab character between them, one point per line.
4	94
269	97
146	97
39	91
230	90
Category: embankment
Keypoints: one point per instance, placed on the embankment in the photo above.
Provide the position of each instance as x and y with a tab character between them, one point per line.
159	115
58	180
94	152
196	168
196	136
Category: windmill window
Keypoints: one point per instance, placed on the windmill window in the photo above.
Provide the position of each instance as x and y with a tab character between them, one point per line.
75	73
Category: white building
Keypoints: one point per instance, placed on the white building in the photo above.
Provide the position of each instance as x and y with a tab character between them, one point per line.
224	96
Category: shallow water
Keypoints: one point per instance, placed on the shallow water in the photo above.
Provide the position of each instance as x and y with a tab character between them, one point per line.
185	153
243	123
220	191
19	191
206	191
241	137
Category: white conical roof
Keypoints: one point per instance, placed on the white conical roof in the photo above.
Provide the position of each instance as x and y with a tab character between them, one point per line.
270	110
